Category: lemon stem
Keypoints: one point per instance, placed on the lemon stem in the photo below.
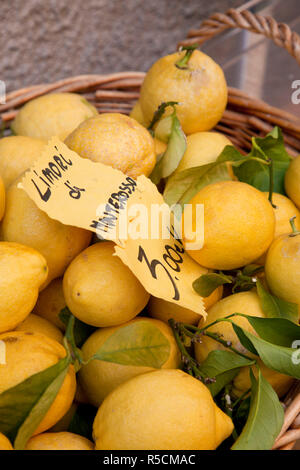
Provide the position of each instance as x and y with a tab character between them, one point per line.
70	340
183	62
160	112
294	229
271	186
190	364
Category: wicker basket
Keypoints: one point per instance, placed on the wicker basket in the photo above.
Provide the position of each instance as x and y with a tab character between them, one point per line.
244	118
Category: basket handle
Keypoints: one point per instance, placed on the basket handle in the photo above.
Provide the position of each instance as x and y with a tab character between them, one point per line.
280	33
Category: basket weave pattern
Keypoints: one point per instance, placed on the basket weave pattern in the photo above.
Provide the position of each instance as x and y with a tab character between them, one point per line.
244	118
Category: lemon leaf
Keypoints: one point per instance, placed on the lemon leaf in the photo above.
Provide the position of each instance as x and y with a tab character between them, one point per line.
257	174
222	366
280	331
39	410
207	283
182	186
81	330
265	417
280	358
275	307
23	406
170	160
139	344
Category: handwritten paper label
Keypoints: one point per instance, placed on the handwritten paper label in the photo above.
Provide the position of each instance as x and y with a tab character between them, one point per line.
97	197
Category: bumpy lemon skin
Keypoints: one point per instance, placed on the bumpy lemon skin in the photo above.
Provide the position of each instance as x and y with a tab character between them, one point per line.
50	302
165	410
22	271
59	441
164	310
100	290
55	114
35	324
99	378
2	198
282	268
249	304
25	223
200	89
116	140
17	154
5	443
284	210
292	181
29	353
239	225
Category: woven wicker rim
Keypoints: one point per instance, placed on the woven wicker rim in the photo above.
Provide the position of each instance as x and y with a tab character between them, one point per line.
244	118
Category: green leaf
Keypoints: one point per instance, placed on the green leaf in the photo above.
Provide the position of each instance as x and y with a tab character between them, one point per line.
223	366
207	283
265	418
38	411
163	129
81	330
252	269
170	160
158	119
274	307
139	344
257	174
276	357
23	406
278	331
182	186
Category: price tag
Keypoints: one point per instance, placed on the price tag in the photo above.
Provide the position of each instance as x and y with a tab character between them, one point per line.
97	197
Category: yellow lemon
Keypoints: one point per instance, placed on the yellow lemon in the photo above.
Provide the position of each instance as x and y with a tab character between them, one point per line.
282	267
239	225
27	354
22	271
115	140
55	114
100	290
137	114
249	304
202	148
164	310
200	89
25	223
35	324
162	410
292	181
2	199
5	443
285	209
99	378
160	146
59	441
50	302
17	154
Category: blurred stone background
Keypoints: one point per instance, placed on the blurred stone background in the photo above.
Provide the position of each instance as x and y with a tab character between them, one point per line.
45	40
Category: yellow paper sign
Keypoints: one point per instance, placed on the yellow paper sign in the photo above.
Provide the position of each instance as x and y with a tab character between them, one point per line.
97	197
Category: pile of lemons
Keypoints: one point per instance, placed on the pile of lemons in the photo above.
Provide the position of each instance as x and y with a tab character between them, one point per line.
46	266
